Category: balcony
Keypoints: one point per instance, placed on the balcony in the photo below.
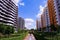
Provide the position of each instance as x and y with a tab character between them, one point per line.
10	24
6	13
9	4
6	6
6	18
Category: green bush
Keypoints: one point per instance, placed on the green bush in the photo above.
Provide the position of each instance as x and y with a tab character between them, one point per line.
20	36
39	37
6	29
21	31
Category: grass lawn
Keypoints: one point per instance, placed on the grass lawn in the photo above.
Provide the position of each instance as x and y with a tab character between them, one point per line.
21	37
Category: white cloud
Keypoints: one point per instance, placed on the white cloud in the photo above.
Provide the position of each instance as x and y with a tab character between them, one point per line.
40	11
22	3
45	1
29	23
18	1
29	20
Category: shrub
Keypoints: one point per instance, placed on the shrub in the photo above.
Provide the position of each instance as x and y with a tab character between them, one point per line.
6	29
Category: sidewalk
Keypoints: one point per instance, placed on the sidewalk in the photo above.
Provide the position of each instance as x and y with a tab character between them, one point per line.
29	37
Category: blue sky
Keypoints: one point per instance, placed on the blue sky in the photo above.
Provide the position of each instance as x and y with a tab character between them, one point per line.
30	11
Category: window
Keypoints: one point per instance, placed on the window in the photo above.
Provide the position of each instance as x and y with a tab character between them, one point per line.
59	1
59	13
59	7
59	10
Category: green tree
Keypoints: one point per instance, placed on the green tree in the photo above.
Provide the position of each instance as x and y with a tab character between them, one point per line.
6	29
9	29
43	29
58	28
2	28
53	28
19	31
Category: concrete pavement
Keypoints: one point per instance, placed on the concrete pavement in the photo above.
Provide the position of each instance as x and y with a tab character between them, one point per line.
30	37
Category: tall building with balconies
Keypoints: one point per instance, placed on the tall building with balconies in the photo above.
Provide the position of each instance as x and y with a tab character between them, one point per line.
21	23
57	10
42	20
38	26
45	19
52	13
8	13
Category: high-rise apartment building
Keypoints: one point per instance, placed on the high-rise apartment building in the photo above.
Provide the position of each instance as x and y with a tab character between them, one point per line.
57	11
38	26
45	19
43	22
52	13
21	23
8	13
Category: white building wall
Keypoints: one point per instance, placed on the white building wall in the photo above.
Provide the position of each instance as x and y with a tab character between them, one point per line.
56	10
47	19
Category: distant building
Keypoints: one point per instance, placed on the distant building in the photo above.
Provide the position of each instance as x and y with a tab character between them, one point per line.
8	13
45	19
38	24
42	21
50	15
21	23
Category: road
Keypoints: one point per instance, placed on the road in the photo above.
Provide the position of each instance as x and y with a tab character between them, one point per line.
30	37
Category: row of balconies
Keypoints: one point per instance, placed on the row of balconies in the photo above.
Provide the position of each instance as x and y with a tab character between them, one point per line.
7	14
8	18
10	3
8	9
6	21
7	24
58	9
13	4
7	6
3	7
11	10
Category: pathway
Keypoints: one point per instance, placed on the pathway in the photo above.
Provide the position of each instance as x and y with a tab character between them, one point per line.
29	37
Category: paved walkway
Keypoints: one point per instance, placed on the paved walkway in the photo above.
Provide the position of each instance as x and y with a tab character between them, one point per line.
29	37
